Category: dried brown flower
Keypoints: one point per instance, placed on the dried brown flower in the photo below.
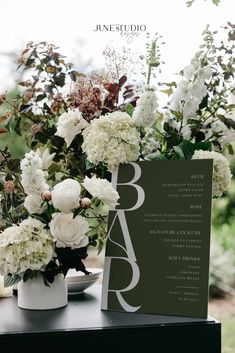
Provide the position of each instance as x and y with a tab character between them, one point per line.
2	98
87	96
36	128
28	95
57	102
9	186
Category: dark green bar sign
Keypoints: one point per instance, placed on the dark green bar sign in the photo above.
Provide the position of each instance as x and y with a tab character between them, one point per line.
157	253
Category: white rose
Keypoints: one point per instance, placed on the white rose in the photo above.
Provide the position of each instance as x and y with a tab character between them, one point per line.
102	189
70	124
66	195
69	231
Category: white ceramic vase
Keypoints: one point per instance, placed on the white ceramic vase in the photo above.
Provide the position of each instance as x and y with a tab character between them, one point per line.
34	295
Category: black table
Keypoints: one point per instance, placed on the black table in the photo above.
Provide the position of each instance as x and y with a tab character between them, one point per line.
83	327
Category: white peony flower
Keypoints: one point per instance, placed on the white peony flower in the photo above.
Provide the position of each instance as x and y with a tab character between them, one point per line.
66	195
145	113
112	139
27	246
102	189
221	170
46	157
70	124
69	231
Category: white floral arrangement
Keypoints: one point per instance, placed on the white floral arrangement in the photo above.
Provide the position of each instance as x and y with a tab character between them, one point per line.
77	136
55	237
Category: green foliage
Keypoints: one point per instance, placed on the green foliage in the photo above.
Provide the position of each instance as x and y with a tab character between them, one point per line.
228	337
224	210
153	54
11	280
225	235
129	109
155	156
190	2
189	148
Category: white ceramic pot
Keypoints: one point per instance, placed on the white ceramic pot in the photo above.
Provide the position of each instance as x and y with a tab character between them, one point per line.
34	295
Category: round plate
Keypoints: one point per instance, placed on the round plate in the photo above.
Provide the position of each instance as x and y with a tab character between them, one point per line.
78	281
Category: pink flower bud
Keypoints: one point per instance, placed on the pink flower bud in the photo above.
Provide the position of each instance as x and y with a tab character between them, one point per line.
46	195
85	202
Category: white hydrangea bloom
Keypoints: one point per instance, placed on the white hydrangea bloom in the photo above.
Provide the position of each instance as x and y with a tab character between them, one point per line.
145	113
112	139
102	189
27	246
70	124
221	170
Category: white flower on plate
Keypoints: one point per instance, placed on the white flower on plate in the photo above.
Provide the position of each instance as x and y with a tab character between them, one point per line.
221	170
46	157
102	189
145	113
112	139
70	124
69	231
27	246
66	195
